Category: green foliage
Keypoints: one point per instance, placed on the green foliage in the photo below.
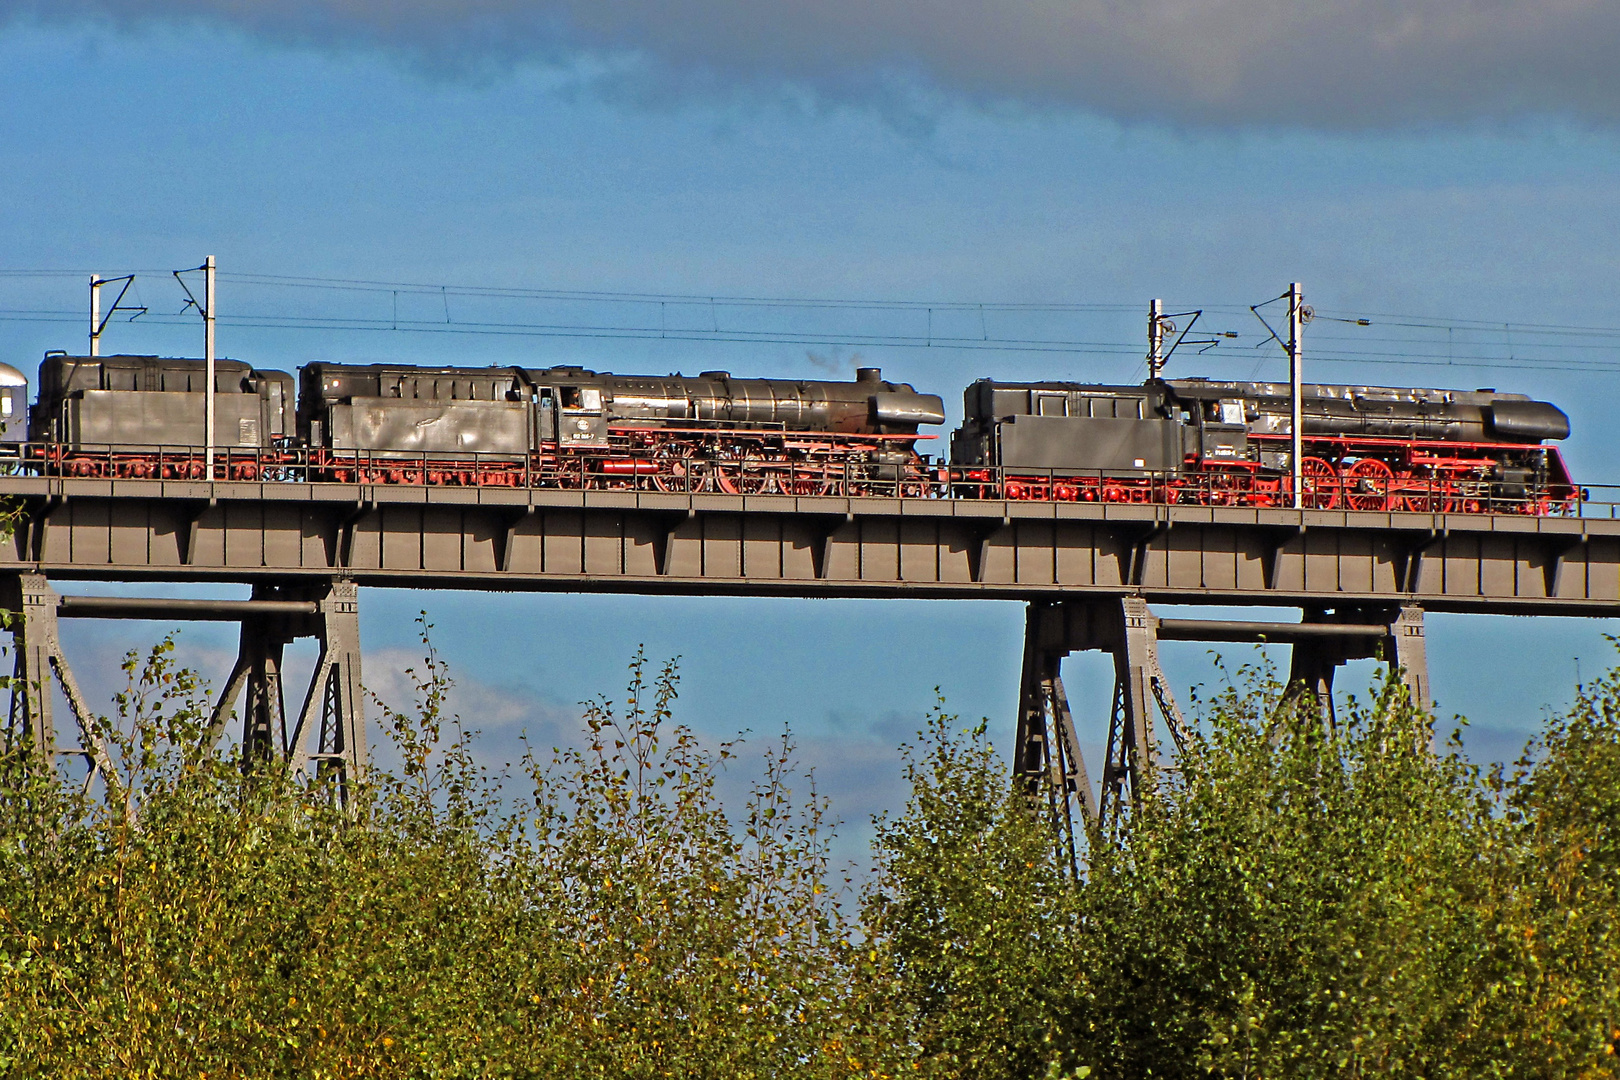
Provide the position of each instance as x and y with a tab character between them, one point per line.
215	920
1300	902
1564	801
1293	901
973	912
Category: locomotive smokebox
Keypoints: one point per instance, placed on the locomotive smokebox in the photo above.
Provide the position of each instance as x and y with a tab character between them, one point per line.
906	410
1531	421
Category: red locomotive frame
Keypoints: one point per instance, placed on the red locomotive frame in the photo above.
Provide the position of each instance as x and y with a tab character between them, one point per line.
1340	472
1349	473
732	461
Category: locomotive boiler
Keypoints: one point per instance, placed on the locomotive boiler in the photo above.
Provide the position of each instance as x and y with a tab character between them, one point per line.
1229	443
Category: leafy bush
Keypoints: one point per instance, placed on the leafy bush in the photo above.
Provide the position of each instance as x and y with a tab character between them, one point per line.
1293	901
974	914
237	923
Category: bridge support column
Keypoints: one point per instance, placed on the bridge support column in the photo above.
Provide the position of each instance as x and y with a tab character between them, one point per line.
39	668
1410	654
330	727
258	672
334	710
1048	748
1048	753
1315	659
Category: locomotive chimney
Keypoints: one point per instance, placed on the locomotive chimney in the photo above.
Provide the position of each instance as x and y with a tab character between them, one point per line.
868	374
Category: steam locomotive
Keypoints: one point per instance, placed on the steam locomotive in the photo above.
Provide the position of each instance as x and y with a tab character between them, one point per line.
1186	441
1215	443
140	416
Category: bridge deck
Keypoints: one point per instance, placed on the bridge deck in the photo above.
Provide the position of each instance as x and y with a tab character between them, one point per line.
652	542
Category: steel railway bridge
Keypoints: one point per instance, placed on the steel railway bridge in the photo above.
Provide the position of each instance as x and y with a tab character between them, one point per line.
1088	572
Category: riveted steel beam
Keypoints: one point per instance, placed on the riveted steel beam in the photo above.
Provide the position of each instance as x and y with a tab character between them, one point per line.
780	545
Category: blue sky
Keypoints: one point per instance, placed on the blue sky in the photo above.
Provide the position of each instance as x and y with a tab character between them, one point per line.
546	148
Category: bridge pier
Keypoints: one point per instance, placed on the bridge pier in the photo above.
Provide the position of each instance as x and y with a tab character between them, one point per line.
329	730
1047	749
1394	635
332	713
39	667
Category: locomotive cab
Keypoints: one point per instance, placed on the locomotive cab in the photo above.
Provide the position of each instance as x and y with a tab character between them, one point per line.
581	419
1221	434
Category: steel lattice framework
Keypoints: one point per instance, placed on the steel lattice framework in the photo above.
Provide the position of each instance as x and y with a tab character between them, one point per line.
1089	573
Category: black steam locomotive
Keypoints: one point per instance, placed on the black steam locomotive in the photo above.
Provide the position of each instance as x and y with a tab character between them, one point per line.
141	416
1230	444
1188	441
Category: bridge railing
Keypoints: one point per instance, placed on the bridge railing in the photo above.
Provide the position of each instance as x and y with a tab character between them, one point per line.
1364	490
1598	501
616	469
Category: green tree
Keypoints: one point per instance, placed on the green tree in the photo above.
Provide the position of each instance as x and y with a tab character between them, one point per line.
1294	900
237	923
1564	918
970	907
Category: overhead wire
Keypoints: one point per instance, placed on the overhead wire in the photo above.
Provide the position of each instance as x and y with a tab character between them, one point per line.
1072	347
610	332
1428	322
443	290
1413	350
608	296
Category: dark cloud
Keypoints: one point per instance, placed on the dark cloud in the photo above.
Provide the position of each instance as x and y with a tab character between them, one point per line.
1331	64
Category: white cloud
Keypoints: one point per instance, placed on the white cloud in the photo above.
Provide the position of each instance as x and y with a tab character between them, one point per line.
502	716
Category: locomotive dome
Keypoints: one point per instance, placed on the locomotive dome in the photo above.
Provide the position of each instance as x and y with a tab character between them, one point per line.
10	376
